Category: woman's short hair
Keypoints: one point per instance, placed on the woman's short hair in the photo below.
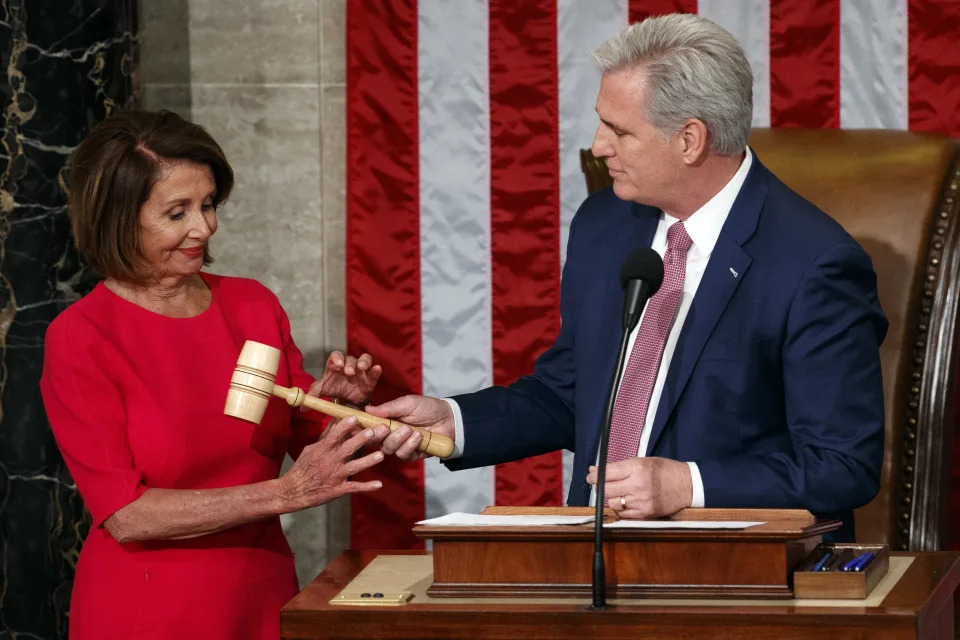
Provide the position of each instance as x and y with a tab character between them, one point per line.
112	172
695	69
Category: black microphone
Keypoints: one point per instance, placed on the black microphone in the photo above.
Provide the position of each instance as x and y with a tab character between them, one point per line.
640	276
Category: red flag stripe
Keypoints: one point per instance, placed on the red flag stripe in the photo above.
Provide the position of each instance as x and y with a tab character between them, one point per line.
933	61
641	9
805	63
525	216
383	249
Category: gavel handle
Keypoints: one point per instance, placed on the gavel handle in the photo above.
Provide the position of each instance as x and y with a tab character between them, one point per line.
432	443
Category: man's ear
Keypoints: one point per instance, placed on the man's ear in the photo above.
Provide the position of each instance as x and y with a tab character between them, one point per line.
693	142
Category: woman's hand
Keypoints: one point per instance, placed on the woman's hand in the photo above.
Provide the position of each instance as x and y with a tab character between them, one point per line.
347	378
323	470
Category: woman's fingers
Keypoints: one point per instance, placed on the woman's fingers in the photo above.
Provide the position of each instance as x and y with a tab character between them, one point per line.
350	366
335	361
354	467
361	487
363	438
339	430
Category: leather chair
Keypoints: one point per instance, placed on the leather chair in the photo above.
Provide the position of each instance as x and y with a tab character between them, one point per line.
898	194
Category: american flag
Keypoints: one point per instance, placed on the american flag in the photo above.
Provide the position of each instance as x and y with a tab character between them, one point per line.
464	121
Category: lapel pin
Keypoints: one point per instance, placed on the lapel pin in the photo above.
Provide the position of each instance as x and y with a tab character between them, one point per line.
735	274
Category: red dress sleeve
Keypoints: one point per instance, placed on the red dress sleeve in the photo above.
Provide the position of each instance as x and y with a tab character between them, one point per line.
86	412
305	426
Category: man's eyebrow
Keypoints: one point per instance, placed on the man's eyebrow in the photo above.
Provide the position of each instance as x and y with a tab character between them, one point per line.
607	122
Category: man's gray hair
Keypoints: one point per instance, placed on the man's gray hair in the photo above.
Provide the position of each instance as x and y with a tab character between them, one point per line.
695	69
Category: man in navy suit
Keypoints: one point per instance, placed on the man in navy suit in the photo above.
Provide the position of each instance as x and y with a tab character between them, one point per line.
753	378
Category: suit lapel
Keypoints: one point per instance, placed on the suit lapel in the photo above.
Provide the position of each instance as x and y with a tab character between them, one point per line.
726	268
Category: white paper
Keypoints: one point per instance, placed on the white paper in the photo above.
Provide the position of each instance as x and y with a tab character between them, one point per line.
458	519
681	524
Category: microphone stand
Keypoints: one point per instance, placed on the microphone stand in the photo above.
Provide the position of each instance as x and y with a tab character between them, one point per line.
636	296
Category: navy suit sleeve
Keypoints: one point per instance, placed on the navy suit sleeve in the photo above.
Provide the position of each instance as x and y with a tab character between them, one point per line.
833	397
534	415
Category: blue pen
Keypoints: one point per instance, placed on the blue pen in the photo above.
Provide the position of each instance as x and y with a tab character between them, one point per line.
851	563
859	561
863	561
822	561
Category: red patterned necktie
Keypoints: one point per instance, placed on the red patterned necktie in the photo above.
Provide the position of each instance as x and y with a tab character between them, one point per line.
633	399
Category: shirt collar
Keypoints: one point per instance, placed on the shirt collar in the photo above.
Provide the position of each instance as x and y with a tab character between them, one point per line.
704	225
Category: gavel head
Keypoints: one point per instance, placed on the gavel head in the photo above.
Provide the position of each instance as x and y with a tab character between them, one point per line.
251	385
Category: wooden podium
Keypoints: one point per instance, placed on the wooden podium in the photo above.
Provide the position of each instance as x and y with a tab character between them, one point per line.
721	583
920	605
755	562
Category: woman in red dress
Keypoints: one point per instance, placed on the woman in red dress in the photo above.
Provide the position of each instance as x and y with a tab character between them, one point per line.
186	539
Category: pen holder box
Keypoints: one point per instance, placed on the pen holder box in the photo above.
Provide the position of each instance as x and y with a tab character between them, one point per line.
836	583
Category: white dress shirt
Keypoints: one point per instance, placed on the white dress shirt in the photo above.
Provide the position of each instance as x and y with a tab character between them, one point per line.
703	227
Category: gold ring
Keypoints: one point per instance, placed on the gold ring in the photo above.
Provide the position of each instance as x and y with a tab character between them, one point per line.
623	503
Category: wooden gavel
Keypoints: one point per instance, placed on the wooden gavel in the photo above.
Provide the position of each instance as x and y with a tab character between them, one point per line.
252	385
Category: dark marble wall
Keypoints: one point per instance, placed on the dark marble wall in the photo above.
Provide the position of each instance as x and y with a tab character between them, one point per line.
64	66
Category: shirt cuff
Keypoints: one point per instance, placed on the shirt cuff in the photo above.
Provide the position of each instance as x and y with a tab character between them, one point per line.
697	483
458	425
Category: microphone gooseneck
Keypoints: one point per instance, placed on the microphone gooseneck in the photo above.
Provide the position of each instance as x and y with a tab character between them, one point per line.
641	277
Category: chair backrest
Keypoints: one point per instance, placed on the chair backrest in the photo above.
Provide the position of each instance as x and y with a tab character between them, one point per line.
898	194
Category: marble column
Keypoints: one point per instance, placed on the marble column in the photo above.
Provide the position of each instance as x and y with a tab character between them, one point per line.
67	65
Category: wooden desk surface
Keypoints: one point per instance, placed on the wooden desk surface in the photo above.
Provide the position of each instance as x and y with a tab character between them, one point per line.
921	605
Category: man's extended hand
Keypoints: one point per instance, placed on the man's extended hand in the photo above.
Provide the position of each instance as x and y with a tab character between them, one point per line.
650	487
419	411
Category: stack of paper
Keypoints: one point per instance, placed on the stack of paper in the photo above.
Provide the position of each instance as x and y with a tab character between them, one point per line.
459	519
680	524
473	520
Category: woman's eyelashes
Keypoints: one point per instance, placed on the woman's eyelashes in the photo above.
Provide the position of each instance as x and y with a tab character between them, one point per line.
181	214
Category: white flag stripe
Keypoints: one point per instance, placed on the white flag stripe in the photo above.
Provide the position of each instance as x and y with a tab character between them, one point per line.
873	64
454	138
581	28
749	22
